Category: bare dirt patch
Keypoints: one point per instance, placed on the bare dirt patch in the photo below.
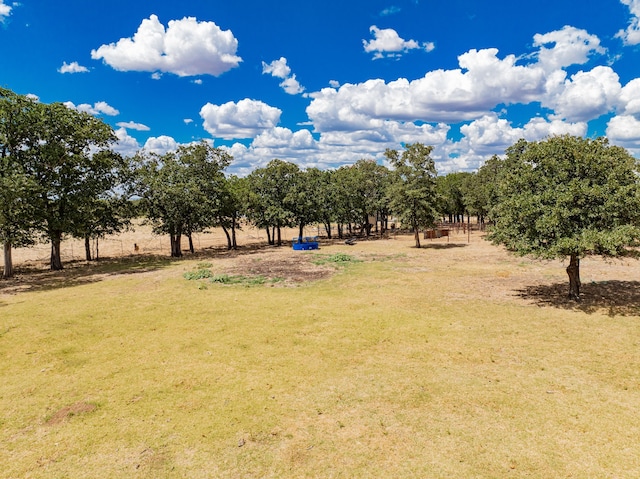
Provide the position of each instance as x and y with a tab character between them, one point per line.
68	412
281	264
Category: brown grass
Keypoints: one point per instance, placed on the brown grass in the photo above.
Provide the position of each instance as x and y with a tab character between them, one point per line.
455	360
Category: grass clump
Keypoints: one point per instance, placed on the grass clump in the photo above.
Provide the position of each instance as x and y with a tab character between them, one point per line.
337	258
200	273
246	280
226	279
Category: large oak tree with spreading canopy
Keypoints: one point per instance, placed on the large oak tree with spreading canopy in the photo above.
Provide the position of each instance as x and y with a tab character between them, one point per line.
55	167
568	197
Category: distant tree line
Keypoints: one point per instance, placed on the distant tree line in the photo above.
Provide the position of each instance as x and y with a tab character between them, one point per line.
59	176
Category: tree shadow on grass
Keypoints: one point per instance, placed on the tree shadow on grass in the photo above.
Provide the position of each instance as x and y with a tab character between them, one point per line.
37	278
75	273
443	245
615	298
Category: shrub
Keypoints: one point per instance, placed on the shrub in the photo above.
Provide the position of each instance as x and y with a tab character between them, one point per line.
201	273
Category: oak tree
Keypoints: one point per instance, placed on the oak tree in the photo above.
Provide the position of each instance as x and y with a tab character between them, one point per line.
568	197
413	192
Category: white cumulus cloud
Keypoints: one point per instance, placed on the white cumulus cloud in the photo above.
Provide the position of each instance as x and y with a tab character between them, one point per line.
244	119
5	10
387	43
126	145
279	137
277	68
629	100
280	69
161	144
98	108
624	131
587	95
491	135
631	36
483	82
441	95
571	46
130	125
624	128
73	67
185	48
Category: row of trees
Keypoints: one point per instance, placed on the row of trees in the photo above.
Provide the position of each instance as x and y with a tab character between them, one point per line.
59	176
186	192
564	197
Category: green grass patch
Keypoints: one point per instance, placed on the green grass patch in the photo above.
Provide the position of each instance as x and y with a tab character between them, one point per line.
200	273
339	259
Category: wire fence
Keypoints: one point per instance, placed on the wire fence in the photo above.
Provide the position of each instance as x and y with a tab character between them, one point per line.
138	241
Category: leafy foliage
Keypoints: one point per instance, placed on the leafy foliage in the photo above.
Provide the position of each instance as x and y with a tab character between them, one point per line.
269	198
200	273
568	195
337	258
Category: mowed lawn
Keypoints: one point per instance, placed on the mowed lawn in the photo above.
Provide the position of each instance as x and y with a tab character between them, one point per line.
452	361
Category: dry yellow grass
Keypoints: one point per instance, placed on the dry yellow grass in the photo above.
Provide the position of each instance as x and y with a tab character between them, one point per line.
455	360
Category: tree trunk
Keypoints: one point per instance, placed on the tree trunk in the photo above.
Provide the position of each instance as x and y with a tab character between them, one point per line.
87	247
301	231
8	261
279	242
97	249
234	243
176	245
573	270
327	228
269	240
56	260
191	248
226	233
417	236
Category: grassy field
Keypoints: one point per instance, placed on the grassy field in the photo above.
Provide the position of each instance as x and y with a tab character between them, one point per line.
452	361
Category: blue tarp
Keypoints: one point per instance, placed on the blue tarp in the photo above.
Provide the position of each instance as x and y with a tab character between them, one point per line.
305	243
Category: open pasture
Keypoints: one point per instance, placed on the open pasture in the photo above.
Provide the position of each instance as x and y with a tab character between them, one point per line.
456	360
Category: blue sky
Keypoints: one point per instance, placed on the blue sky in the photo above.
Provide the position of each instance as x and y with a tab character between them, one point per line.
325	83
